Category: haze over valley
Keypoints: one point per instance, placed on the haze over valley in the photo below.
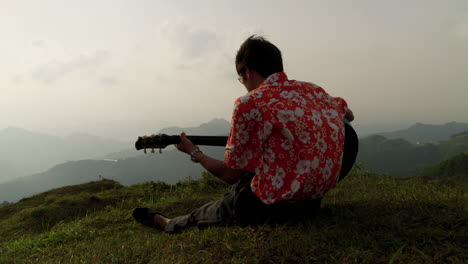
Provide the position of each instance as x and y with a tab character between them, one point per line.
81	80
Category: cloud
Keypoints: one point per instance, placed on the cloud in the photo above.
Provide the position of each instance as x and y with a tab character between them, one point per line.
55	70
203	50
109	81
192	43
38	43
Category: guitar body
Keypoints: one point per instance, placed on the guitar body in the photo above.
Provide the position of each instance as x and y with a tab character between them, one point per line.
351	145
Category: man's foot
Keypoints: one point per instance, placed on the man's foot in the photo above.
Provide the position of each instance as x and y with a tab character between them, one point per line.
151	218
160	221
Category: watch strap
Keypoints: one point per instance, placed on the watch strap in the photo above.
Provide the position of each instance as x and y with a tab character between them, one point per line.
192	157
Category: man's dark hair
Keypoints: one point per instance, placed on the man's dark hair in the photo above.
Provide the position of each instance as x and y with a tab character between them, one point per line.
258	54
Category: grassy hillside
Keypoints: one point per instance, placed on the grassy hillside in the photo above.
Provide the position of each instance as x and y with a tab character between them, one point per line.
451	171
370	219
402	158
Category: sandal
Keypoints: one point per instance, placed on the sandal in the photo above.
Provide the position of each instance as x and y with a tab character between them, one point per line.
145	216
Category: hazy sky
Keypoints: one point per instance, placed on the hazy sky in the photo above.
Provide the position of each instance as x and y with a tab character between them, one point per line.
71	63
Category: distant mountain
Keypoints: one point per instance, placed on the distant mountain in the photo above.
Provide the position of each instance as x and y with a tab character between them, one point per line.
30	152
121	130
402	158
7	171
427	133
126	166
215	127
170	167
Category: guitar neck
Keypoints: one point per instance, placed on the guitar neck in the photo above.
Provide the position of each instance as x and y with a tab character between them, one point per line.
204	140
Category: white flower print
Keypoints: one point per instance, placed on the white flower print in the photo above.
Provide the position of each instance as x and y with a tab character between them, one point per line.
315	163
333	125
287	133
303	166
272	78
311	97
334	136
266	131
277	182
329	113
299	99
288	95
242	162
287	144
321	144
299	112
280	173
270	155
329	99
273	100
248	154
257	94
244	99
287	195
254	114
318	135
317	118
244	159
285	116
304	137
258	170
269	198
326	171
318	94
295	185
242	135
294	95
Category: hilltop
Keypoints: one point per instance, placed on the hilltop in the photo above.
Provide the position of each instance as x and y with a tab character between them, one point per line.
370	219
427	132
402	158
25	152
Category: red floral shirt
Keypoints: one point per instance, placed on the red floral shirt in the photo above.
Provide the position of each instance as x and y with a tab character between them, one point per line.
291	134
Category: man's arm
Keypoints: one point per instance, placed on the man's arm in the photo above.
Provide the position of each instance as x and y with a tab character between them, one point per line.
214	166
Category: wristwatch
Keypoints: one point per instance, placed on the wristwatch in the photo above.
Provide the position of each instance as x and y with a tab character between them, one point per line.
192	157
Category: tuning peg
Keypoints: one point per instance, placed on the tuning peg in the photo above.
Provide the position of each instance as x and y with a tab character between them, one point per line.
152	150
160	150
144	150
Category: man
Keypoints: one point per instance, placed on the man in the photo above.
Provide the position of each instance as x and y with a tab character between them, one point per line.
284	151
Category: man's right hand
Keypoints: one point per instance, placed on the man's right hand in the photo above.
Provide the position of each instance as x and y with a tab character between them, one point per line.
349	115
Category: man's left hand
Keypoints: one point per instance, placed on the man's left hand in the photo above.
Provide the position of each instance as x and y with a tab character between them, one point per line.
185	144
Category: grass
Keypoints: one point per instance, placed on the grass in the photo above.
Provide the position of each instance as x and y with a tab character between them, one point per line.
375	219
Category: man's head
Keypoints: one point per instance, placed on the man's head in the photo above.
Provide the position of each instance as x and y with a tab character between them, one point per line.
257	59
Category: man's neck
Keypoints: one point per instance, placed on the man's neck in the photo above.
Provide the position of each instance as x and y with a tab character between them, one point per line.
258	80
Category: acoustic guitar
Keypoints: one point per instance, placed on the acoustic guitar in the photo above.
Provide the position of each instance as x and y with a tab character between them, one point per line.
161	141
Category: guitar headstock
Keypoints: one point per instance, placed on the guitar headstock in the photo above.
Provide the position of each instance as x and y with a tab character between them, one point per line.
153	142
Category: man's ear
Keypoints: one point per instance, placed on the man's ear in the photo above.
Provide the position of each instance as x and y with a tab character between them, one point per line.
248	74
